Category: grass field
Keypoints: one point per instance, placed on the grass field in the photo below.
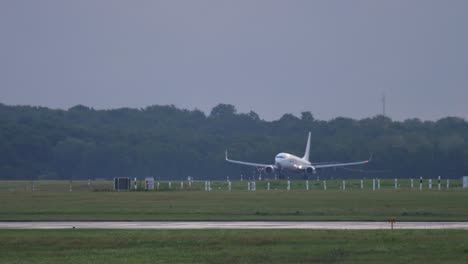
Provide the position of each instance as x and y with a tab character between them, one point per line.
52	201
233	246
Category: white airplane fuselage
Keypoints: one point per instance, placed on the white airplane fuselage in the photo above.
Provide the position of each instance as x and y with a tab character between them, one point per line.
286	161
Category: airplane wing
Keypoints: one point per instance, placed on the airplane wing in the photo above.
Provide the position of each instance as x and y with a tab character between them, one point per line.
258	165
332	165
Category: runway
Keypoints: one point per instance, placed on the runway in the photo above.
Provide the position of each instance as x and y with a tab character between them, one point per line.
172	225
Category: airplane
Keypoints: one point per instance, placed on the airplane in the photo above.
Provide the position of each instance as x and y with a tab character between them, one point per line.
288	162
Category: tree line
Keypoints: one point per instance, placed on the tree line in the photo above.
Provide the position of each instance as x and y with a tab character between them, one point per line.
171	143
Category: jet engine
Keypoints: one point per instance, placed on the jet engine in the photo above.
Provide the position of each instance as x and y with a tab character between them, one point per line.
310	169
269	169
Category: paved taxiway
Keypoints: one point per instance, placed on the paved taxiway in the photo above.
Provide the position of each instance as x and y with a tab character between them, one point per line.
234	225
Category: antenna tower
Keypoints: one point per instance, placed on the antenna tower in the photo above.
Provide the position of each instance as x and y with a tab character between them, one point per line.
384	102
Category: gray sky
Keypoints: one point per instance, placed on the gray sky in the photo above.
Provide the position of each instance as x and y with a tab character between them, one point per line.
333	58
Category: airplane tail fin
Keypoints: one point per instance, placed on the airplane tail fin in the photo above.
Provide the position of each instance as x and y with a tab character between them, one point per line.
306	154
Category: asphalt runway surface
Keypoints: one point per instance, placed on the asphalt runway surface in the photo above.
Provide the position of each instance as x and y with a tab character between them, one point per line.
170	225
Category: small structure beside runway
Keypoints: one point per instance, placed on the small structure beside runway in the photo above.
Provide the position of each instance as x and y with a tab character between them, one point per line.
122	184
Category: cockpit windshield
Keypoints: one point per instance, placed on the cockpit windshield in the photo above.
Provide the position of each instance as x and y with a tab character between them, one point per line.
280	156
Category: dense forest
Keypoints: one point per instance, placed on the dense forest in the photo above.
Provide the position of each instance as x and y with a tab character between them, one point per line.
170	143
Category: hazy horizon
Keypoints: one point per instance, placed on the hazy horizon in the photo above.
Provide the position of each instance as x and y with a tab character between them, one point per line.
332	58
207	113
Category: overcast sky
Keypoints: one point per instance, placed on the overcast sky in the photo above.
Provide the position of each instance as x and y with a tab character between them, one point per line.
333	58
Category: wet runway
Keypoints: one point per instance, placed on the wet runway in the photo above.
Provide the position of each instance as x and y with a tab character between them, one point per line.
160	225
